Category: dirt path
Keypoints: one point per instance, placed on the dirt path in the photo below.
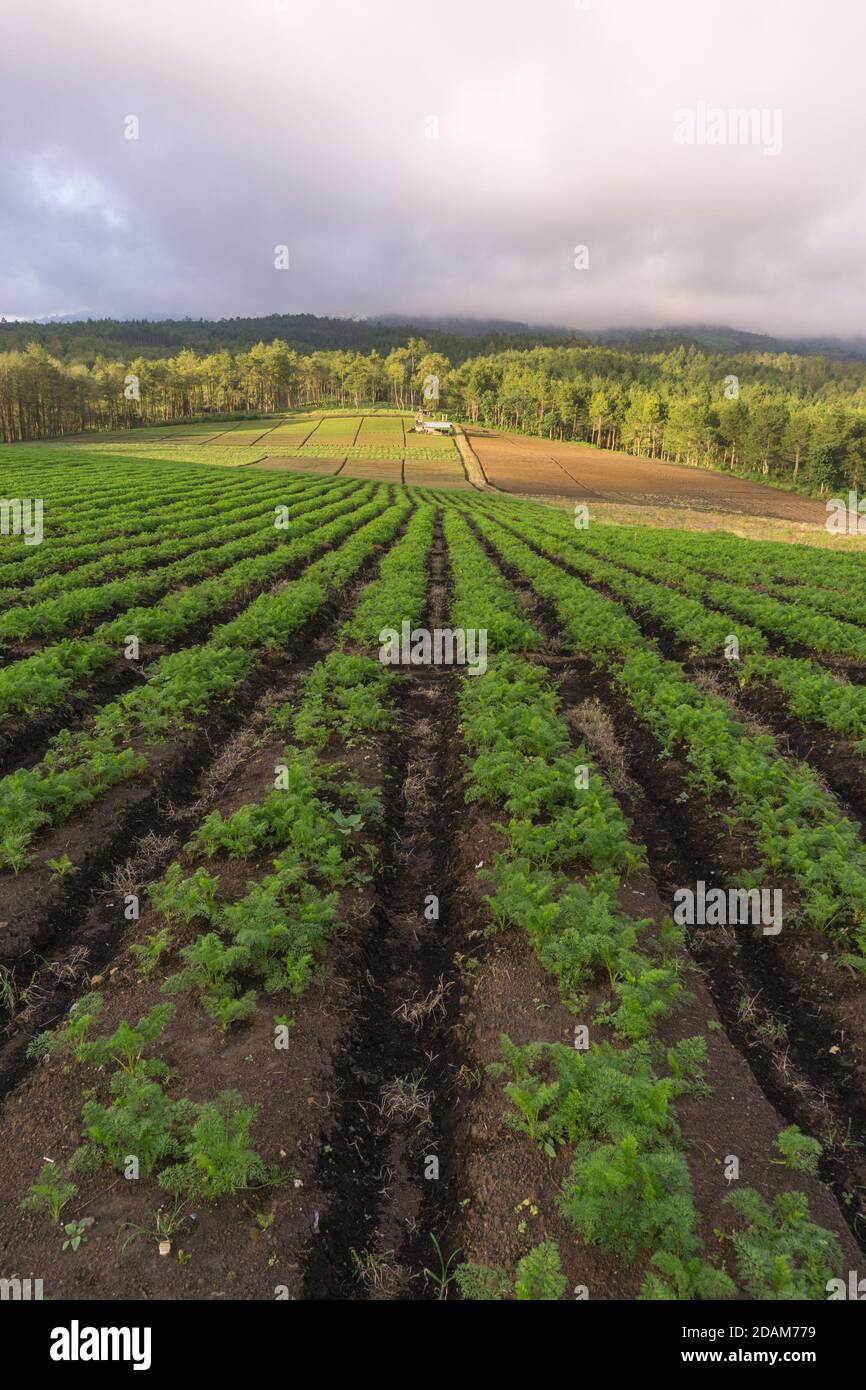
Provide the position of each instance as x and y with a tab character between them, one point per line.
387	1169
473	469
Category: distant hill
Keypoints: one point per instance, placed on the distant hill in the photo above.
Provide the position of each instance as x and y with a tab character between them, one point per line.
83	339
480	328
458	337
712	338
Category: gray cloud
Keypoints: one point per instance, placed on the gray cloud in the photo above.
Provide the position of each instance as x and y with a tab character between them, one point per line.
308	124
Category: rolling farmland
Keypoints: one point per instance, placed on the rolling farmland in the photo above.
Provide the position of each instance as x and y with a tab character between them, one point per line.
371	850
381	447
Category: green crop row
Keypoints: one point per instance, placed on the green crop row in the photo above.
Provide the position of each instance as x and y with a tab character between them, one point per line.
628	1188
181	686
118	525
78	606
810	691
482	598
794	571
110	560
798	829
42	681
273	938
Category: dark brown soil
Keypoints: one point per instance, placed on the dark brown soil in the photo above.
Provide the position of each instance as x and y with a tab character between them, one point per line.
389	1168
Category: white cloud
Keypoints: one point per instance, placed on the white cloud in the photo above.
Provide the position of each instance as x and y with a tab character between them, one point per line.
74	192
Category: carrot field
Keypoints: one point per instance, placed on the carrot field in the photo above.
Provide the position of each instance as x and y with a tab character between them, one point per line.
409	893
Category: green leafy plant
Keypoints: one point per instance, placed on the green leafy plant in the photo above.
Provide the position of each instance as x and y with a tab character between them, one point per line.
481	1283
209	970
125	1047
61	867
185	898
141	1121
628	1199
539	1275
798	1150
219	1157
50	1192
149	952
72	1037
780	1253
671	1278
76	1234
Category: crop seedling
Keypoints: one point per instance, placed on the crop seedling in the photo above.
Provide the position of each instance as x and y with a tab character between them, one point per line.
481	1283
140	1120
799	1152
76	1234
443	1276
538	1277
125	1047
50	1192
61	867
628	1199
673	1279
72	1038
780	1253
185	898
149	952
218	1157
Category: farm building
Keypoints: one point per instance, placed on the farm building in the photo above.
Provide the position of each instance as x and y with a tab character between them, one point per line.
423	426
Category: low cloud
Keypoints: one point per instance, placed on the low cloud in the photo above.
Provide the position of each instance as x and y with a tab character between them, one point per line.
437	158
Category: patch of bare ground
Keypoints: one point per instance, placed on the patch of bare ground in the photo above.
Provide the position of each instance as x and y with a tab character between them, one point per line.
547	469
664	513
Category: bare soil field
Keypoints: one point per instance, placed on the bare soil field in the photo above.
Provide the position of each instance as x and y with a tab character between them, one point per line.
426	473
298	465
545	468
417	472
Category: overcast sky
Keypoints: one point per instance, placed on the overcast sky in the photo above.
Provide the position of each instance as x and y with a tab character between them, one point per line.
436	157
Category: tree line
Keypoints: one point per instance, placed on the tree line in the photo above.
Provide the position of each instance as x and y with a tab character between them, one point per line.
800	419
